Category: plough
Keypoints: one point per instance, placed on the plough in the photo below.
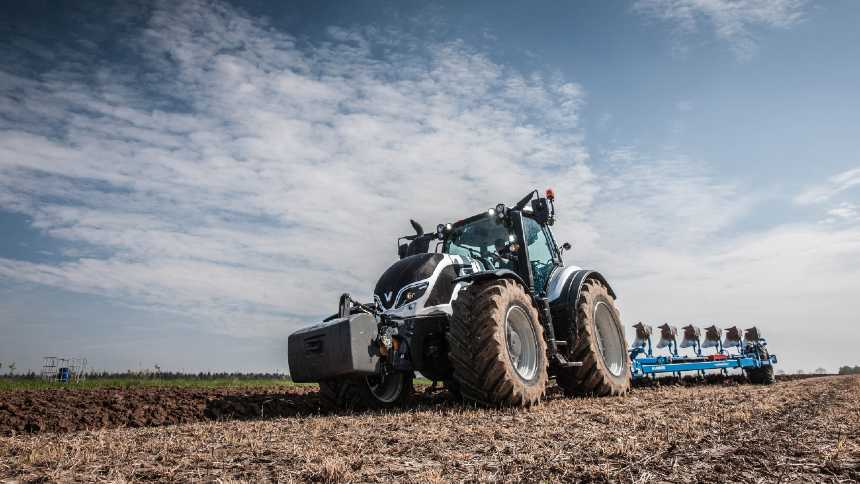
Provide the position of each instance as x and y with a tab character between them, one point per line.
720	350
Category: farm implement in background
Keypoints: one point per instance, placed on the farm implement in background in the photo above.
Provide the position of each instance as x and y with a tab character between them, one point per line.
719	350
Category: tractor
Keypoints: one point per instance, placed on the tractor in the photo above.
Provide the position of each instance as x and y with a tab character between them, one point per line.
491	311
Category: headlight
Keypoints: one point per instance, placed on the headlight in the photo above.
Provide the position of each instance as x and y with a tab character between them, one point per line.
411	293
443	229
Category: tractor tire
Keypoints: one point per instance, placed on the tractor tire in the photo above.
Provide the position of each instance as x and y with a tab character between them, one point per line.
600	346
762	375
366	393
496	346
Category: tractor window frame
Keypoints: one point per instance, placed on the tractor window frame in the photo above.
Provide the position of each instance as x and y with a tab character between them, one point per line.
540	278
556	251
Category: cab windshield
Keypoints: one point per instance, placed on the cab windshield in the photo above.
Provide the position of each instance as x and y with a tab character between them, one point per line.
482	239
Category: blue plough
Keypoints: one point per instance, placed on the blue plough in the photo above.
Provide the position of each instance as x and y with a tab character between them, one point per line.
729	351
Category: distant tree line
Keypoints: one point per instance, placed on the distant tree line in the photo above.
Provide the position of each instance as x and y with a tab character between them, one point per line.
10	368
847	370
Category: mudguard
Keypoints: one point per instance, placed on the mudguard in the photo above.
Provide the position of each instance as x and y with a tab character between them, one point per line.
563	307
575	281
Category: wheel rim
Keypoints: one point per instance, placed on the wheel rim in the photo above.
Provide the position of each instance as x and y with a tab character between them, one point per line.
609	339
386	388
522	343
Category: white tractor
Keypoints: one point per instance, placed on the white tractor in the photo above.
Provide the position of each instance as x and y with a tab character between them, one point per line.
492	311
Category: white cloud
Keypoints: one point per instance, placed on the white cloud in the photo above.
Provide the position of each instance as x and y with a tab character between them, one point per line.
665	233
834	185
797	283
643	204
285	174
845	211
732	20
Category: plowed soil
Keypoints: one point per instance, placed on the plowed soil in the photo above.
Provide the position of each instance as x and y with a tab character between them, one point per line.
64	410
801	430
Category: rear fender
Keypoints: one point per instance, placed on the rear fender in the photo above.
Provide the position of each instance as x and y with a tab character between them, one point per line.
572	279
563	301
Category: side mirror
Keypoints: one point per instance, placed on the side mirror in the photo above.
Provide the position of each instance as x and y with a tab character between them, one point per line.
565	247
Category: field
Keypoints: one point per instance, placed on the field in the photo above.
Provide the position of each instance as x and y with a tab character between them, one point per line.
798	430
134	381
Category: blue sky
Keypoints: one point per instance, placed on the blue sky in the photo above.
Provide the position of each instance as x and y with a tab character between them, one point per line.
186	184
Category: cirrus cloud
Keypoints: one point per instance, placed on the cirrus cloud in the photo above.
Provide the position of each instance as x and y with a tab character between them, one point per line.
732	21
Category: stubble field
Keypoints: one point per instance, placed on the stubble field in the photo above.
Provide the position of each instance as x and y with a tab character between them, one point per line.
799	430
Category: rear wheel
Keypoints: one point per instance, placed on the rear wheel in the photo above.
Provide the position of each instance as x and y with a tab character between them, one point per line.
600	346
367	393
762	375
496	345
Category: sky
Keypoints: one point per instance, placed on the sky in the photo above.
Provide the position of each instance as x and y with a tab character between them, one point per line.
187	183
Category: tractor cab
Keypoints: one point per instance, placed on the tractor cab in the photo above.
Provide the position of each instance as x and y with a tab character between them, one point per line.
516	239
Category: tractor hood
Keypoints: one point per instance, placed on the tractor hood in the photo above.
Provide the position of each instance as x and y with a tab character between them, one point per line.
404	272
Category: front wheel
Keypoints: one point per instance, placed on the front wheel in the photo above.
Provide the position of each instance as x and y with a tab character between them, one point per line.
496	345
374	392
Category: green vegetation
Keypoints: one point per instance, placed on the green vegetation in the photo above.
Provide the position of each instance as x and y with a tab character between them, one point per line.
132	380
32	381
847	370
422	381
